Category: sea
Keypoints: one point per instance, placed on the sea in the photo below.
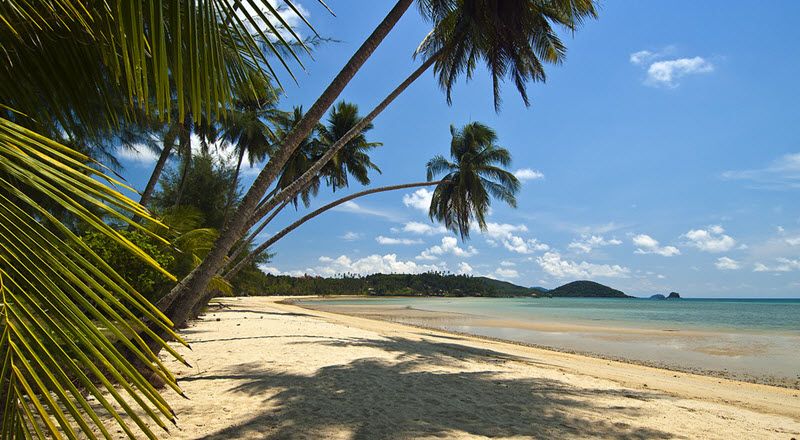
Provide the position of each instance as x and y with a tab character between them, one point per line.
756	340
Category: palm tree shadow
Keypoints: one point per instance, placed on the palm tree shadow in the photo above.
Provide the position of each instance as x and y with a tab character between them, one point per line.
373	398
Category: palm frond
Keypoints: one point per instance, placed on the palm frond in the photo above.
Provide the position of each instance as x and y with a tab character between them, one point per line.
65	315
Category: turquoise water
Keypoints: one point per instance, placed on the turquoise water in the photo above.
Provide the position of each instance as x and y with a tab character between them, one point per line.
750	339
747	315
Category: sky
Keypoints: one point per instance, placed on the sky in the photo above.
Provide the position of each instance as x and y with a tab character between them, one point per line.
663	155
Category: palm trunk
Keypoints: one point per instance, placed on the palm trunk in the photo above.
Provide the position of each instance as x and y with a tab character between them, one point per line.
185	147
296	186
246	242
179	301
263	246
147	194
234	185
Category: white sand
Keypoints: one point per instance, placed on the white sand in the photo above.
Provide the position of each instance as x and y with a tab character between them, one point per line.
267	370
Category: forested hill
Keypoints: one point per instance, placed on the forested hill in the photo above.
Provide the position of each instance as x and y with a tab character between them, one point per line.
586	289
425	284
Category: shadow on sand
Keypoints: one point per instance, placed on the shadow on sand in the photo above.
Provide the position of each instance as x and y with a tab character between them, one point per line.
372	398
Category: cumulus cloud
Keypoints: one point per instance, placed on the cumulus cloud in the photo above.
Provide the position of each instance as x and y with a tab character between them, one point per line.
505	234
663	72
782	174
503	272
449	245
725	263
553	264
464	268
421	228
711	239
524	174
648	245
419	199
666	73
391	240
586	243
376	263
508	263
781	265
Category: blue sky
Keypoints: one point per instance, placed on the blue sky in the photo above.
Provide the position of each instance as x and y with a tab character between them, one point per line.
664	154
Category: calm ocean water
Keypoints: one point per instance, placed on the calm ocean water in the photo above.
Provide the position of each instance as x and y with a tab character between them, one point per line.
751	339
756	315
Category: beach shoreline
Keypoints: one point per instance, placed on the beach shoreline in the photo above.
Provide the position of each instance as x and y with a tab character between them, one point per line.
401	315
263	368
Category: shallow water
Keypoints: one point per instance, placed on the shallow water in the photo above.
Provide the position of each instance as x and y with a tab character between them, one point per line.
748	339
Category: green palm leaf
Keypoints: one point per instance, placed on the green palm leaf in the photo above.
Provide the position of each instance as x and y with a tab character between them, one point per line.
65	316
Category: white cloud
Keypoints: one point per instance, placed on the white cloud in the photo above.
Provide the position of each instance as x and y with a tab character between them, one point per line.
712	239
782	174
508	263
665	73
782	265
506	273
355	208
524	246
351	236
504	233
649	245
464	268
725	263
553	264
139	154
449	246
642	57
525	174
363	266
421	228
391	240
419	199
588	242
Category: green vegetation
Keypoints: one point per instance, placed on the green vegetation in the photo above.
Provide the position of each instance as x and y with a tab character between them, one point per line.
425	284
79	261
586	289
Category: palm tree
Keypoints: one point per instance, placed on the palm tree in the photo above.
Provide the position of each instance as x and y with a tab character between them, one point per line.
461	196
353	158
67	320
495	36
249	126
474	177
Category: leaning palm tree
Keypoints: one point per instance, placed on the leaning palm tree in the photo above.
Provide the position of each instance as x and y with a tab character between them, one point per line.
493	49
476	174
462	195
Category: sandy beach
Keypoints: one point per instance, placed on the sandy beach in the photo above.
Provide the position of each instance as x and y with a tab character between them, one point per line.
262	369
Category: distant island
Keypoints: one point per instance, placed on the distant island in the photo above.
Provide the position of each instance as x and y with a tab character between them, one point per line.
672	295
586	289
424	284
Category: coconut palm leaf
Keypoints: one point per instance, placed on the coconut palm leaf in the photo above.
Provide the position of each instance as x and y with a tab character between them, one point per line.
65	316
73	61
513	38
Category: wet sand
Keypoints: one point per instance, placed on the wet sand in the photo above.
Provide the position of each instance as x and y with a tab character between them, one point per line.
764	359
264	370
